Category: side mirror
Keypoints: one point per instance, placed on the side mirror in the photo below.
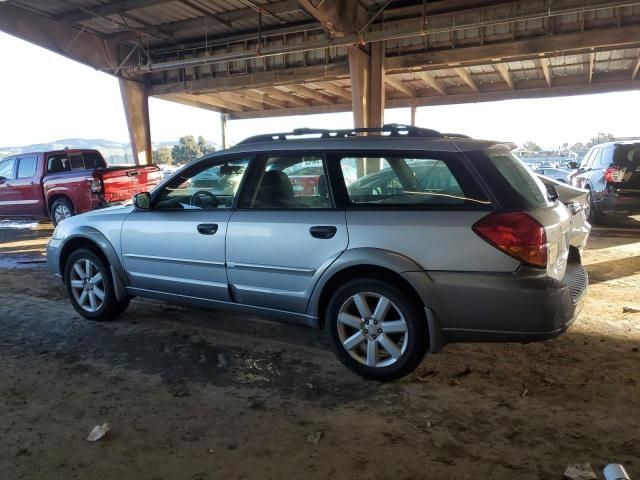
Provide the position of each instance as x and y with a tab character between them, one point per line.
552	192
572	165
142	200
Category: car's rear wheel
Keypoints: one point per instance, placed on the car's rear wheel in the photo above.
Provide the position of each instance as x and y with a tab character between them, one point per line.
90	287
592	214
60	210
376	329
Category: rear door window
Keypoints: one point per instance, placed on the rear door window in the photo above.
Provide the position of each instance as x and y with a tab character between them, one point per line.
27	167
404	180
76	161
58	162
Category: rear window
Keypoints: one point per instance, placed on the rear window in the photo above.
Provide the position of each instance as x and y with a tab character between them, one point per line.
403	180
94	160
515	185
627	155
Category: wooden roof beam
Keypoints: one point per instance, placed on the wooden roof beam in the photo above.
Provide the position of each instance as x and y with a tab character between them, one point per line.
307	92
334	90
238	98
468	79
505	73
432	82
120	7
545	63
636	68
285	96
264	98
400	86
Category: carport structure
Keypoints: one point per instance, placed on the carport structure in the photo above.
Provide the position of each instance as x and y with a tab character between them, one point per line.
257	58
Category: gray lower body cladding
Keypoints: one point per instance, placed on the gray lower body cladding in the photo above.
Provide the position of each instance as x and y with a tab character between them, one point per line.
520	307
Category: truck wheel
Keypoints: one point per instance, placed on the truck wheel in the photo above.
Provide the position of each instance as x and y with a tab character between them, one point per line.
61	209
90	287
376	330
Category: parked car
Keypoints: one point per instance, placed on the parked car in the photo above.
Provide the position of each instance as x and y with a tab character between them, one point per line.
611	174
558	174
577	201
453	240
67	182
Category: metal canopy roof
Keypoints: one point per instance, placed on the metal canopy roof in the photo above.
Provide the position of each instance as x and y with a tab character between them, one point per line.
252	58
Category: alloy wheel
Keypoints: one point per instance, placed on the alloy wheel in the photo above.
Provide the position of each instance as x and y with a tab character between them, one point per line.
61	212
372	329
87	285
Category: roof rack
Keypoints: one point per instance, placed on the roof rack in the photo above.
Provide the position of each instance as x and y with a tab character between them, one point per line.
393	129
455	135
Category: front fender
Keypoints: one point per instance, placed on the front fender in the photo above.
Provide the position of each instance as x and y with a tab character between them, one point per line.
100	240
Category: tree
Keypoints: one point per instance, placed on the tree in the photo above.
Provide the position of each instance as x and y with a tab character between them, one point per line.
162	155
186	150
204	146
601	138
532	147
578	148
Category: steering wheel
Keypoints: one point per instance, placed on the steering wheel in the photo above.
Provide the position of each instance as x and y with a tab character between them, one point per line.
196	200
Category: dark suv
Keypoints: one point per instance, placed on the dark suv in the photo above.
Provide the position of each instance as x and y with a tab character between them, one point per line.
611	173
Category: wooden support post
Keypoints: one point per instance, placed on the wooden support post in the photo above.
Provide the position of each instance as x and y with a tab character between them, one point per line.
367	94
413	115
135	99
223	127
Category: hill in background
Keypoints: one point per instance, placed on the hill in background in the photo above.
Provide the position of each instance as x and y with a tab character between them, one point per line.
113	152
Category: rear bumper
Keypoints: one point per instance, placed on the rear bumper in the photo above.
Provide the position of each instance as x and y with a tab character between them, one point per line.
525	306
617	202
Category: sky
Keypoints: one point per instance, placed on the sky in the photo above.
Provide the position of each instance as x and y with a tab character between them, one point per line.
45	97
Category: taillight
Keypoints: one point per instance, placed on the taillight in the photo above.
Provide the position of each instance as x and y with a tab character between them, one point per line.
614	174
95	184
516	234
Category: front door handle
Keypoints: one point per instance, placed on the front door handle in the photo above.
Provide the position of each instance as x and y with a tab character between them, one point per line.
323	231
208	228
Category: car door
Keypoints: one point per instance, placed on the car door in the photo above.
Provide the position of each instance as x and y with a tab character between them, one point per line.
281	239
7	195
26	187
178	246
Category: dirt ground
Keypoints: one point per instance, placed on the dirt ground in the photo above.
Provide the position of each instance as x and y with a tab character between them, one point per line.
197	394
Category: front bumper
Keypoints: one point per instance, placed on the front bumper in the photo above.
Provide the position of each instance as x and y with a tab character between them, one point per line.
54	247
524	306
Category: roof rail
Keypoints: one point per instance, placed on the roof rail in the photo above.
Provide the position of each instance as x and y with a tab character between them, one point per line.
455	135
393	129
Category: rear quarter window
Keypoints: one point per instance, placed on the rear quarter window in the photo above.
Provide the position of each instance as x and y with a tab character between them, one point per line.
398	179
512	182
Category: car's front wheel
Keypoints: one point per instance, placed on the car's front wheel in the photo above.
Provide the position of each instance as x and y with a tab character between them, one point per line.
90	287
377	330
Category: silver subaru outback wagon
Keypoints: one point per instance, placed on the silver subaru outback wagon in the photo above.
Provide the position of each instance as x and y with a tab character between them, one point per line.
395	242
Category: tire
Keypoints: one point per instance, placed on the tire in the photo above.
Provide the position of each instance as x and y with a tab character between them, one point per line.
81	291
61	209
346	322
593	216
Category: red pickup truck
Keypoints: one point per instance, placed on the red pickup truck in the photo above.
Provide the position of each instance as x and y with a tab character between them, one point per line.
67	182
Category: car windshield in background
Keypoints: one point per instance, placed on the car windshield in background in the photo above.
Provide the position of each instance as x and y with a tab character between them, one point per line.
515	185
410	181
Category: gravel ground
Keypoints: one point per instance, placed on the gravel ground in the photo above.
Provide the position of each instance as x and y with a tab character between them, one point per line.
202	394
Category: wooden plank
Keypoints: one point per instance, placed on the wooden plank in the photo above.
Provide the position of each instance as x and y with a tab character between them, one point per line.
468	79
285	96
185	99
505	73
432	82
214	100
256	80
615	38
264	98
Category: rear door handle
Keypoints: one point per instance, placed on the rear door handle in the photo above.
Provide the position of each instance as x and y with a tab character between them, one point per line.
323	231
208	228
